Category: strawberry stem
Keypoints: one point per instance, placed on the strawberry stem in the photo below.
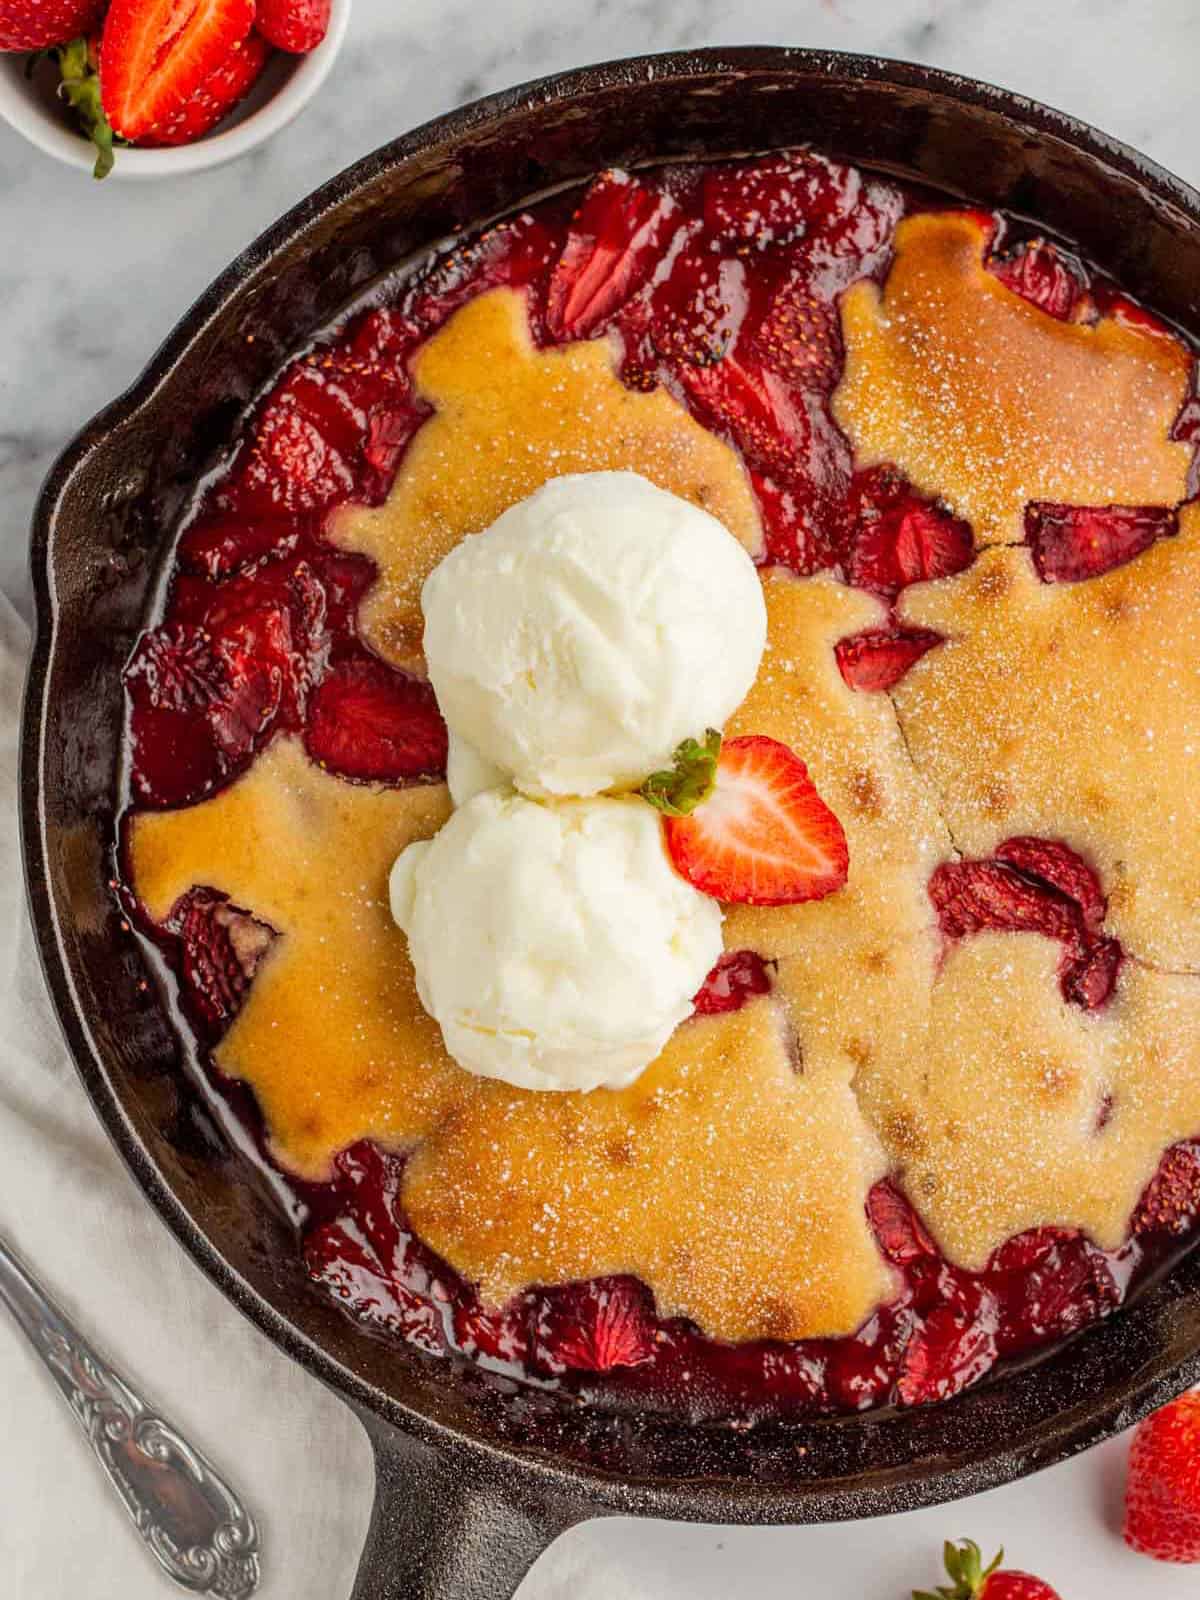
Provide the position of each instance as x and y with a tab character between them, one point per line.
680	789
965	1569
80	88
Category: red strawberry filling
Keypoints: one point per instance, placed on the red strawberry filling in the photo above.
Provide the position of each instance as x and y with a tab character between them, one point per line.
1046	276
737	977
219	952
1035	886
898	537
1069	543
878	658
616	240
367	721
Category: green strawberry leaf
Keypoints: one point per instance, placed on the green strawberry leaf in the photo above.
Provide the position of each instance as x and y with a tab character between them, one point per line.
680	789
80	88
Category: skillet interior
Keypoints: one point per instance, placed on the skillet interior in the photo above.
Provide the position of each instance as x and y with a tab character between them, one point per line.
100	533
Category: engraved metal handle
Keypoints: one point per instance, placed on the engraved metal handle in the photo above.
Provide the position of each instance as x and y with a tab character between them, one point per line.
198	1530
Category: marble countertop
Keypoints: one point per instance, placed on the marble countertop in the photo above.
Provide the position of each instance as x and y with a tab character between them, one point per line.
93	276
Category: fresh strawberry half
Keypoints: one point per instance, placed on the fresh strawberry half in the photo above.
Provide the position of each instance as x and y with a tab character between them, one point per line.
297	26
617	238
744	823
737	977
155	54
878	658
38	24
368	722
1069	543
971	1580
595	1326
898	537
216	97
1045	276
1162	1491
220	951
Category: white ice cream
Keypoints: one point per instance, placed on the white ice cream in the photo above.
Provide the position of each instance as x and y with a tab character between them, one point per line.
467	773
554	943
589	630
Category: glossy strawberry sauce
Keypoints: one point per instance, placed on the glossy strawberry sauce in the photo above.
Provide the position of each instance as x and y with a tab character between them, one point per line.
720	283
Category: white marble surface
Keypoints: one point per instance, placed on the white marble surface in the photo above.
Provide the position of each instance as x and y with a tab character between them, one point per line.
92	277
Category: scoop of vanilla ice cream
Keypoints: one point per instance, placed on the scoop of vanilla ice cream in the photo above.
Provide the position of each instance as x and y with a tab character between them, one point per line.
467	773
554	943
594	626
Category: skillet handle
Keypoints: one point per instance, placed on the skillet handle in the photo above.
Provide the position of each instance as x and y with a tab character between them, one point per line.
441	1530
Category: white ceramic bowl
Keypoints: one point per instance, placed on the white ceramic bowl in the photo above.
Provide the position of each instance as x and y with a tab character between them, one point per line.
287	85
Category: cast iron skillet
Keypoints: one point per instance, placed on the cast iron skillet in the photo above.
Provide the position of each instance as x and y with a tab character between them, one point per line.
475	1478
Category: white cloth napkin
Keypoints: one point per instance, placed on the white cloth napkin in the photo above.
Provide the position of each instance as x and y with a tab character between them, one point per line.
68	1205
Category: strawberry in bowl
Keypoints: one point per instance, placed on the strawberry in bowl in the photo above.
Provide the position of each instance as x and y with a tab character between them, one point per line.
147	88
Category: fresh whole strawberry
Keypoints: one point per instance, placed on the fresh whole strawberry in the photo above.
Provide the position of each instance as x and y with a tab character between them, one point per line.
216	97
156	54
297	26
971	1580
38	24
1162	1492
744	823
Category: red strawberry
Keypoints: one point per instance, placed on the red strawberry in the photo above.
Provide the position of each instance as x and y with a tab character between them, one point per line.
1090	980
595	1326
878	658
1055	863
699	303
512	254
37	24
954	1346
773	202
368	722
294	25
1162	1492
1039	886
220	546
157	53
749	827
1045	276
216	97
1073	542
220	950
1171	1200
737	977
971	1580
617	238
901	1233
900	538
755	407
800	335
973	895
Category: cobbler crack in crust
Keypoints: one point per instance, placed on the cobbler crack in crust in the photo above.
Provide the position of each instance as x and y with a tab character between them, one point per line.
732	1178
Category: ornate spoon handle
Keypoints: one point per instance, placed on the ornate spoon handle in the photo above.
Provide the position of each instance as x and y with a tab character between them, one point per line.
198	1530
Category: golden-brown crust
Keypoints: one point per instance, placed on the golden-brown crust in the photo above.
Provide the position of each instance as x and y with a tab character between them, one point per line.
507	418
1072	711
983	400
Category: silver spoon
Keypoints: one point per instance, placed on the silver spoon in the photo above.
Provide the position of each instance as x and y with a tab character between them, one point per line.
195	1526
